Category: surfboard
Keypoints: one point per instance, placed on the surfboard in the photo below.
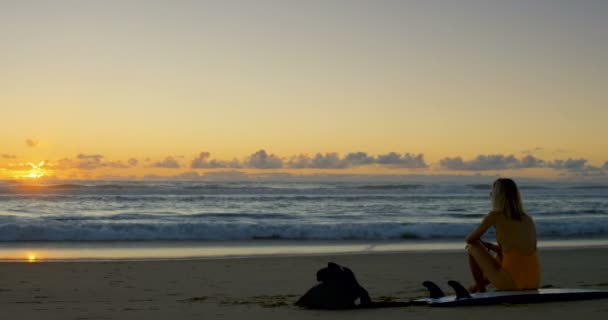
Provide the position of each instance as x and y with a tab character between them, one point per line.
506	297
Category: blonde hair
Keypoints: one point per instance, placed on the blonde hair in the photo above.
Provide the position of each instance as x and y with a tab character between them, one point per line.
506	199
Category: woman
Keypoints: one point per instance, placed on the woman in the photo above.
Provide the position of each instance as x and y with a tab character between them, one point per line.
516	265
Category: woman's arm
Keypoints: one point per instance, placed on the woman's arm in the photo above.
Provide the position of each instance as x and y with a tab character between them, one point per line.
481	228
490	246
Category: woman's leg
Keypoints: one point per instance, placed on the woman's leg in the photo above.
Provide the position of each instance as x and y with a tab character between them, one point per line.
484	265
478	277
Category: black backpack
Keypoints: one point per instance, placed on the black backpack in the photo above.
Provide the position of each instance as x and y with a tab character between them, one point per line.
339	289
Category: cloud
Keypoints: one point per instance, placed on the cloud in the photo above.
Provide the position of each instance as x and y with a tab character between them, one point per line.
32	143
262	160
408	160
88	162
504	162
354	159
570	164
19	166
301	161
328	161
94	161
531	162
169	163
96	157
63	164
491	162
332	160
578	167
203	162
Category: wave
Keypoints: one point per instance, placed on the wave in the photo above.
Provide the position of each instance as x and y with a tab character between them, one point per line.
164	217
78	231
569	213
464	216
230	187
531	187
68	186
82	211
390	186
480	186
149	198
222	230
589	187
47	186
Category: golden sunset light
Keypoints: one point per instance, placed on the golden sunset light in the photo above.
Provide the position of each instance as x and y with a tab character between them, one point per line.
34	175
37	170
298	159
27	171
468	101
32	257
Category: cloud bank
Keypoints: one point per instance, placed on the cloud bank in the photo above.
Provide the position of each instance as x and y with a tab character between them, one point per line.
266	161
490	162
356	159
204	161
261	159
506	162
88	162
405	161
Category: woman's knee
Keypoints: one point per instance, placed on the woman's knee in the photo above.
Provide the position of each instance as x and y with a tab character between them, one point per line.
474	246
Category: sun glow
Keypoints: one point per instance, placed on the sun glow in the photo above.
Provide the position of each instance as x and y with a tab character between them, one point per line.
32	257
34	175
37	171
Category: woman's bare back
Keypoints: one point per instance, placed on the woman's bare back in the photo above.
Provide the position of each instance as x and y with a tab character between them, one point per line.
515	235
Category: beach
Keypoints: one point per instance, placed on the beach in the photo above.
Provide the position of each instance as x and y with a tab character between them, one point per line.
191	250
205	159
266	287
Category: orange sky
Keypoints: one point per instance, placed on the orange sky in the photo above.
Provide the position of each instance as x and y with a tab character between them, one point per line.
140	80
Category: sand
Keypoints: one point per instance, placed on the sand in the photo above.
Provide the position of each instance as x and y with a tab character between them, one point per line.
266	288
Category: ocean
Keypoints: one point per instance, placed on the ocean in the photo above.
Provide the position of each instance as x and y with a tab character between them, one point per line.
140	219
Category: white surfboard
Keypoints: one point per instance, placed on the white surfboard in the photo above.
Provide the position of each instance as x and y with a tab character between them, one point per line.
515	297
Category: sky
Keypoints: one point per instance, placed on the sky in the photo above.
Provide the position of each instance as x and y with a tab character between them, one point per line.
108	89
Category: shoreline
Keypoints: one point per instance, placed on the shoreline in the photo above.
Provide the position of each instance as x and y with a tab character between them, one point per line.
104	251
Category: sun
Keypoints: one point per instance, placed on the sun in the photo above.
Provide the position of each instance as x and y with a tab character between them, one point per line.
31	170
31	257
37	171
34	175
